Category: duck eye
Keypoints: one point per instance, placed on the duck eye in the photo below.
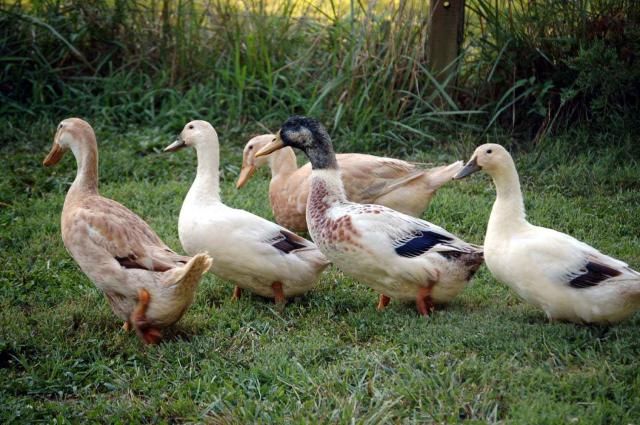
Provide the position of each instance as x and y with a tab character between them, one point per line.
489	151
250	147
191	127
59	126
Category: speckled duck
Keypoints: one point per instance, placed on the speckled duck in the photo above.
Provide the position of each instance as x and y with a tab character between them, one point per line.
397	255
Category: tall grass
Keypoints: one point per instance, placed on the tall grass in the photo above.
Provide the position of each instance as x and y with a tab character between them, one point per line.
555	63
526	66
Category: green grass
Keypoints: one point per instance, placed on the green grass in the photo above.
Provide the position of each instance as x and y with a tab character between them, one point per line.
329	357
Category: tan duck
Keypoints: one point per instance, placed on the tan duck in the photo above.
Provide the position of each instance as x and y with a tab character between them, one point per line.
146	283
400	185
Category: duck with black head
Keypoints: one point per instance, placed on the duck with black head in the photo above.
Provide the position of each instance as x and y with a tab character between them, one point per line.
397	255
145	282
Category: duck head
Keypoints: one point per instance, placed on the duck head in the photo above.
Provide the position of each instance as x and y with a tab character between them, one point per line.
249	161
72	134
308	135
489	157
193	134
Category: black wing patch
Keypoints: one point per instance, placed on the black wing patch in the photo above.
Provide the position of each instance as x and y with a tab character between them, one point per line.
595	273
129	262
419	243
287	242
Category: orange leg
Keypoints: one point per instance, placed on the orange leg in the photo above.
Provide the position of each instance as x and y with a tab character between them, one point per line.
237	292
383	302
424	303
278	294
144	329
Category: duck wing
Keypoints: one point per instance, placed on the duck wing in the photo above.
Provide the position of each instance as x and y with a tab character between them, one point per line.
123	235
369	177
568	261
408	236
288	242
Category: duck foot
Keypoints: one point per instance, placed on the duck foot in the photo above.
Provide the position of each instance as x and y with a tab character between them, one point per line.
424	303
145	331
383	302
278	293
126	326
237	293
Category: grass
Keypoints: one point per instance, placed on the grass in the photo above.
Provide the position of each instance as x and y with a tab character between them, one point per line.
140	68
329	357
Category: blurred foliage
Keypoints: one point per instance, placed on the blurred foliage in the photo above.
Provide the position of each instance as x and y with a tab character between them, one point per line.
527	67
555	62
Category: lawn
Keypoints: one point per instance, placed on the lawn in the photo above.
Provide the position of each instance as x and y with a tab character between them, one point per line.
329	357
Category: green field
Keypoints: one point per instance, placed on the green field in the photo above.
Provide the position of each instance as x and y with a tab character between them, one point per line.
329	357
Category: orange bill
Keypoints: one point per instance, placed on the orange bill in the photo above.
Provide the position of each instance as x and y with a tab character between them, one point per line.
273	146
245	174
54	155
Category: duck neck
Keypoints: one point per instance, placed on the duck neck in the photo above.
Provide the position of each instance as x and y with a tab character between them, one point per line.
86	181
508	210
327	187
283	162
206	186
326	183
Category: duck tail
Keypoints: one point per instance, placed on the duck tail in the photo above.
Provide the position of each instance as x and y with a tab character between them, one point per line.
438	176
314	257
187	277
474	260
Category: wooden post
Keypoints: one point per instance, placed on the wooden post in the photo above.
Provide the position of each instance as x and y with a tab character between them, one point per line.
446	31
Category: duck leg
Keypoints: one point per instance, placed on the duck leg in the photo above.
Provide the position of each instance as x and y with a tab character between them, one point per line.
278	293
126	326
424	302
383	302
145	331
237	292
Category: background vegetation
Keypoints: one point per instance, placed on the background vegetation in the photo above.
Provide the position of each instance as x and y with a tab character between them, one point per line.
528	67
556	81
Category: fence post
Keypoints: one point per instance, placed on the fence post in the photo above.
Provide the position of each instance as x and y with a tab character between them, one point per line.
446	31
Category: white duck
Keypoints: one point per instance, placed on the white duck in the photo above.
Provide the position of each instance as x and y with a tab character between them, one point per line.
147	284
404	186
397	255
566	278
250	251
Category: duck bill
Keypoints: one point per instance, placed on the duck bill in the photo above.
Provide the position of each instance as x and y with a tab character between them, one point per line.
471	167
245	174
273	146
175	146
55	154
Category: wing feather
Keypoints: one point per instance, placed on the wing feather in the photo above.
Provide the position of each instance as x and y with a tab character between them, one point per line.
567	260
124	235
409	236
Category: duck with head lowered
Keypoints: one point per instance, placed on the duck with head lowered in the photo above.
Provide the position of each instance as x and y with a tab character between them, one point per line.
397	255
251	252
404	186
566	278
145	282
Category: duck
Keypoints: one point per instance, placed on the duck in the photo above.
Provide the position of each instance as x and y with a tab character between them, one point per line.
564	277
397	255
250	251
147	285
404	186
